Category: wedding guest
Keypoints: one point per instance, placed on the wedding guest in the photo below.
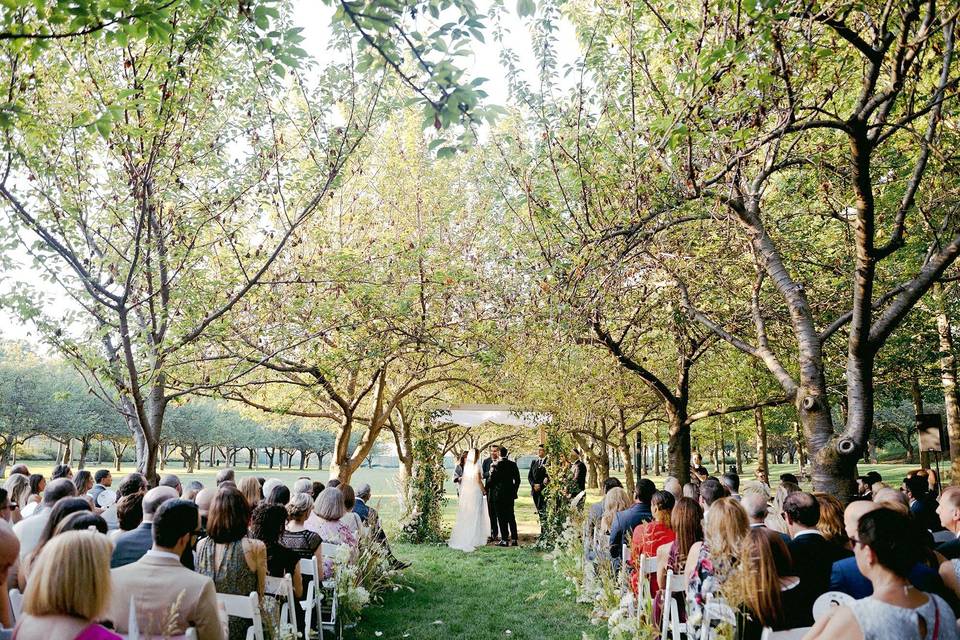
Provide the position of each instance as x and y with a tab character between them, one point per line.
187	597
615	501
61	509
649	537
69	590
831	525
267	526
579	471
237	564
691	491
9	553
18	491
280	494
317	488
131	484
21	469
333	483
769	585
131	545
672	485
813	556
711	562
267	487
949	513
302	485
250	488
297	537
204	499
864	490
596	512
923	506
885	550
29	530
371	519
5	507
458	470
710	491
686	520
624	522
172	481
103	480
225	475
330	507
789	477
83	481
62	471
731	482
37	486
350	519
129	514
193	488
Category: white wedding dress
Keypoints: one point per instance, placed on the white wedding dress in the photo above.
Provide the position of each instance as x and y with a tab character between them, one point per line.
472	526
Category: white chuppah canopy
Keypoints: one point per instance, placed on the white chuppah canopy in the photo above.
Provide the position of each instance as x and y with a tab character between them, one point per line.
474	415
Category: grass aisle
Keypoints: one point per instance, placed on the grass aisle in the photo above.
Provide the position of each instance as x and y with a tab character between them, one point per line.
477	596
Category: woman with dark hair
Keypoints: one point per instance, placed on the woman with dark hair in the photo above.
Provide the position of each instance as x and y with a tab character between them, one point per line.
316	489
83	481
37	484
237	564
280	494
129	512
267	525
886	550
350	519
131	485
767	585
458	470
649	537
62	471
686	521
63	508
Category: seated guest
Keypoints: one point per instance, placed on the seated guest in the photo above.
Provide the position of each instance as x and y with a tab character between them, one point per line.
371	519
350	519
250	488
649	537
30	529
731	482
161	586
204	499
37	486
813	556
172	481
789	477
615	501
711	562
17	487
103	480
627	520
62	471
9	552
83	481
923	506
845	575
21	469
595	512
267	525
129	514
330	508
132	484
225	475
831	525
672	485
710	491
864	490
303	485
69	590
686	520
237	564
768	584
297	537
890	498
193	488
948	511
267	487
280	494
885	550
691	491
333	483
61	510
317	487
131	545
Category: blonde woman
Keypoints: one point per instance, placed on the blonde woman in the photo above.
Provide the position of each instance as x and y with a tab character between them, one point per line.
69	590
18	493
616	500
711	562
250	488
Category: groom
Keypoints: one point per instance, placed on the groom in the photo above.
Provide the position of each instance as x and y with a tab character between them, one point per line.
502	487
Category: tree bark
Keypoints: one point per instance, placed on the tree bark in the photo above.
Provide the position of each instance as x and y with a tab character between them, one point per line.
916	394
624	445
761	426
948	381
84	449
739	455
678	444
8	447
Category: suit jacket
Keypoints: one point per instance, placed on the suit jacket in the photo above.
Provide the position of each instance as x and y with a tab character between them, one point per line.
504	480
361	509
537	473
846	577
580	471
485	469
924	511
950	549
621	530
156	583
813	559
132	545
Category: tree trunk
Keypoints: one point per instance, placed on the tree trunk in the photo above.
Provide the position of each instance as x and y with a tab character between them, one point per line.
67	452
8	447
251	452
678	444
271	452
948	380
624	445
193	455
801	458
657	462
100	452
739	455
717	448
84	449
916	394
320	458
302	459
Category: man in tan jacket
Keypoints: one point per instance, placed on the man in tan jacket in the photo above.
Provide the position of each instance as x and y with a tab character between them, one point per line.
168	597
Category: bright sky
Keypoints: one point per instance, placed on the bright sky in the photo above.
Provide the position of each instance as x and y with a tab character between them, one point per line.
314	17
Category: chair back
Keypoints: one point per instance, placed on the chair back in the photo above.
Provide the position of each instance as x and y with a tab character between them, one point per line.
133	627
308	566
716	610
329	549
311	604
670	620
16	604
283	588
787	634
827	601
247	607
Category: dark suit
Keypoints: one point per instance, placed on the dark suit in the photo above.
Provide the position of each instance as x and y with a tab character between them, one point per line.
361	509
950	549
491	509
580	475
924	511
846	577
134	544
621	529
813	559
502	490
538	475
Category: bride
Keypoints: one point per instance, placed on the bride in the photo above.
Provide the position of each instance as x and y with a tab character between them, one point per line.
472	527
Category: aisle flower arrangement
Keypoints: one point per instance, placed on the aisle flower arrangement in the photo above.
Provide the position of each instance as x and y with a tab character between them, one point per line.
362	579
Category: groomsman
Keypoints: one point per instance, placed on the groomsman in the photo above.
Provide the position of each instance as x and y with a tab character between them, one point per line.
491	509
538	477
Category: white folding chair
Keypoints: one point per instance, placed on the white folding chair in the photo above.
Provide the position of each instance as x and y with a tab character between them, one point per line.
247	607
577	499
787	634
671	611
330	550
646	567
16	604
827	601
133	627
283	588
311	603
715	610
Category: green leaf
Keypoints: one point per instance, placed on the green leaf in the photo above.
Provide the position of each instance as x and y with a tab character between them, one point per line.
526	8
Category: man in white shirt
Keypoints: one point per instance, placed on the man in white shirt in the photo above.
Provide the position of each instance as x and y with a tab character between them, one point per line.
29	529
